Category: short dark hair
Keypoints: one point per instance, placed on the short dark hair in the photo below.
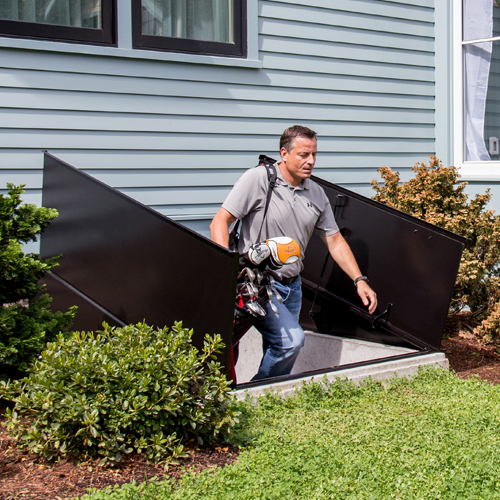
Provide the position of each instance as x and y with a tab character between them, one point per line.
288	137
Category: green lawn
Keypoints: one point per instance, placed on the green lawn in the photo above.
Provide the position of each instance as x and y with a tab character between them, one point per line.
434	437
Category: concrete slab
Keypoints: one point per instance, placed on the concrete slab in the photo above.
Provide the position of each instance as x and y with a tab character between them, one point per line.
376	370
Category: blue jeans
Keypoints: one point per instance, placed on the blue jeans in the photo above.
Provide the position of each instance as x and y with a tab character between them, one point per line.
282	337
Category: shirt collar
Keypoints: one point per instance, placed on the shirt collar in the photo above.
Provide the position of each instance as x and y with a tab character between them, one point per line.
305	184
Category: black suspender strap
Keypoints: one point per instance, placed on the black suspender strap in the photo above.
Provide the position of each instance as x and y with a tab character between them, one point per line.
272	175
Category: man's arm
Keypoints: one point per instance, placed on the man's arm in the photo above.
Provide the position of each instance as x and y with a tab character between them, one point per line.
343	256
219	227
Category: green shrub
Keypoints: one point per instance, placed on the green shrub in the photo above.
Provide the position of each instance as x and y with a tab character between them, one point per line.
434	195
26	323
118	390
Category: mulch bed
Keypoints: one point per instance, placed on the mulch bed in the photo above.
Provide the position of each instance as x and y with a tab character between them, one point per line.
25	476
468	357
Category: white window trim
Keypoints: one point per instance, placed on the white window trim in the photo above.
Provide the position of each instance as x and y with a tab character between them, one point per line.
124	48
471	170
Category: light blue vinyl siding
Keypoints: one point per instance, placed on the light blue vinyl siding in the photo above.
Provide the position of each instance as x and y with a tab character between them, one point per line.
176	135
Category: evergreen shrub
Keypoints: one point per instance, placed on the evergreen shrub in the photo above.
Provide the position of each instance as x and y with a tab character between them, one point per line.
120	390
26	322
435	195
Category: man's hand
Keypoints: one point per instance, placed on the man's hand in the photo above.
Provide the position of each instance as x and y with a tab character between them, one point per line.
368	296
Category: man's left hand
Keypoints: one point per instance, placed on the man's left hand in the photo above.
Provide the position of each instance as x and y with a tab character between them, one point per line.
368	296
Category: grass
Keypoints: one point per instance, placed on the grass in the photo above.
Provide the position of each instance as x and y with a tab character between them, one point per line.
434	437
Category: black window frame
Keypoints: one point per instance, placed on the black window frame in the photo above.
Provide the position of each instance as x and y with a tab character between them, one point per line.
60	33
189	46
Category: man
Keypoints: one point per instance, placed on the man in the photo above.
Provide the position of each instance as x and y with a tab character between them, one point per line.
297	207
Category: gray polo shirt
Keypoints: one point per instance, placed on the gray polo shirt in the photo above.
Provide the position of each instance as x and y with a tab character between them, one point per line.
294	212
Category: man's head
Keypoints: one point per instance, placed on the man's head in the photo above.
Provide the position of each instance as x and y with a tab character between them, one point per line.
298	148
289	136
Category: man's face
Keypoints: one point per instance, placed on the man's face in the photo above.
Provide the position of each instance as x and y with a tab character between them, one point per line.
298	163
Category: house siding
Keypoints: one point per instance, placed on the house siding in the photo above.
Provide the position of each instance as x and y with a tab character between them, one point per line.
177	135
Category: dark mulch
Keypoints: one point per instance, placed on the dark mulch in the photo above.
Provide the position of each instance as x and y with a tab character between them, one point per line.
468	357
24	476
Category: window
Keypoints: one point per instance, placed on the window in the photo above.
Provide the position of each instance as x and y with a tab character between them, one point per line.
87	21
216	27
480	77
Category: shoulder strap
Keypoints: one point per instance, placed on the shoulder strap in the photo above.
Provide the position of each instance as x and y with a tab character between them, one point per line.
272	175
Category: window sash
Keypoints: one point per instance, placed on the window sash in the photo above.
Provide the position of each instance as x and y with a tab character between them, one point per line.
461	43
481	40
237	48
106	35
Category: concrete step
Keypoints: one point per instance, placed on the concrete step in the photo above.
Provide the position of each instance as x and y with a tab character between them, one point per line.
322	351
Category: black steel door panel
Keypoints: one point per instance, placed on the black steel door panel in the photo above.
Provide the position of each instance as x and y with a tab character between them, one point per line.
134	262
411	264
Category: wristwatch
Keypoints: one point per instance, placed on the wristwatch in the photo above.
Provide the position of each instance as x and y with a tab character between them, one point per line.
361	278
